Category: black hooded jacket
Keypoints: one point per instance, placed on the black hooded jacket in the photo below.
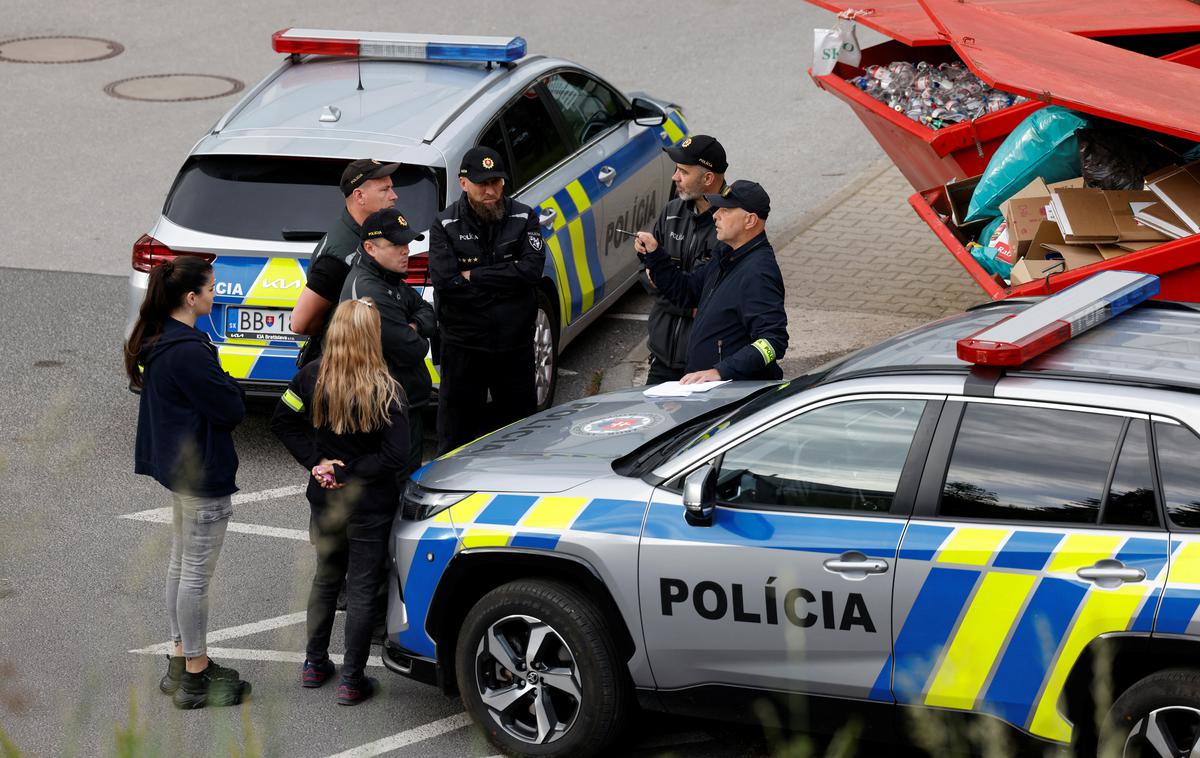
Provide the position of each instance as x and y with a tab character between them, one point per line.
187	413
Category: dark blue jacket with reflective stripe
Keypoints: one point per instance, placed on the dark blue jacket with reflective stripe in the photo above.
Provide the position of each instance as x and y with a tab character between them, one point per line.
188	410
741	326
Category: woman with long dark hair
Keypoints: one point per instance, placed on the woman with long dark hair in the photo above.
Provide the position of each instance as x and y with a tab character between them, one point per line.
186	416
344	418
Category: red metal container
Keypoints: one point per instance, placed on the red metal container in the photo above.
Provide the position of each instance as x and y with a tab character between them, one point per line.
928	157
1020	56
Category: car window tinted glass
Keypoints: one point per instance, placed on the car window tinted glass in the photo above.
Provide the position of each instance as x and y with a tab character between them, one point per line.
535	140
1029	464
1178	453
845	457
1131	496
261	198
588	107
494	138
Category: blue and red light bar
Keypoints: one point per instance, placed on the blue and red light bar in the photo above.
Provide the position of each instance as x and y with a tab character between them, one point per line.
1016	339
422	47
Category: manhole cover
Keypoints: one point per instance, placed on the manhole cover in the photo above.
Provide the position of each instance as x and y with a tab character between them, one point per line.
174	88
58	49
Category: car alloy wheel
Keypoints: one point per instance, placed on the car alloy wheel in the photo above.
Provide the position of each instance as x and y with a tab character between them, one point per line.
1170	732
528	680
545	351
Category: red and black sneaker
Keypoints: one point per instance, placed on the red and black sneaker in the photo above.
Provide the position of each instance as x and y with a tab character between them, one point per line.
355	691
316	673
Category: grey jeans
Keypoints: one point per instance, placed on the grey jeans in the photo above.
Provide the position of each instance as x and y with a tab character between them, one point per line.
199	531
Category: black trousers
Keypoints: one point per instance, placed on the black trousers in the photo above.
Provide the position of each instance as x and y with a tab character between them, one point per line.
661	372
352	545
467	377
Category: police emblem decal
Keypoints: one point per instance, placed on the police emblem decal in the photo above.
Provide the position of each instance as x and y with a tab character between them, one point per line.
535	241
612	425
401	220
686	142
488	163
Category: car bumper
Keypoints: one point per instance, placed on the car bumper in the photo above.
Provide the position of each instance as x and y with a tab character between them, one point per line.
409	664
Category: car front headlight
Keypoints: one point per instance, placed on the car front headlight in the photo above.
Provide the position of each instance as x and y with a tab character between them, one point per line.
419	503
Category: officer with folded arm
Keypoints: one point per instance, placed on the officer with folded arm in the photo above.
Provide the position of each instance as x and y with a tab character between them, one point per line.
740	331
686	232
486	257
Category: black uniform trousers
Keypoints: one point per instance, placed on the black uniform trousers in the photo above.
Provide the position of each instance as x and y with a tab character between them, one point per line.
467	377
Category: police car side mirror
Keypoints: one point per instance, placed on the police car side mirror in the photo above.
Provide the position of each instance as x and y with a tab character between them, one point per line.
647	113
700	495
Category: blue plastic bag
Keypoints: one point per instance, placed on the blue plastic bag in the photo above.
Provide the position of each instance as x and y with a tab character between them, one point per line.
1042	145
993	252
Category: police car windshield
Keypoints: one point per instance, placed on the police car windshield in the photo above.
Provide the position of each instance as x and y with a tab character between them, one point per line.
271	198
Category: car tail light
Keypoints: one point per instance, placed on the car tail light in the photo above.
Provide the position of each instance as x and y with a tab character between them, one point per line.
418	270
149	252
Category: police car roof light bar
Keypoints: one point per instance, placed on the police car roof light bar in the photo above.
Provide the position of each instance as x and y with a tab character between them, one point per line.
1016	339
423	47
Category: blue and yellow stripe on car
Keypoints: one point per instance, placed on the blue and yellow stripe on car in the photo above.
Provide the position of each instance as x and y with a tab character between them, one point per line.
1001	617
572	250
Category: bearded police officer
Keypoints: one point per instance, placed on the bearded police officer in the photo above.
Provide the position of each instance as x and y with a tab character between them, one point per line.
740	331
367	186
685	231
486	256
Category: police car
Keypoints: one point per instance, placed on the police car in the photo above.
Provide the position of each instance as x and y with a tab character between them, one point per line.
983	517
261	187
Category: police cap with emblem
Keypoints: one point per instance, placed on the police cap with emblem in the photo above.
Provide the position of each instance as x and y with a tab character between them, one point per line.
747	195
391	225
699	150
360	171
482	164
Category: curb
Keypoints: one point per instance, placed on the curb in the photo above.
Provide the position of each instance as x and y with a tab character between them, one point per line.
630	372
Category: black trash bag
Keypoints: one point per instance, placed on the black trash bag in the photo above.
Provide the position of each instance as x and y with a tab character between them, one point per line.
1118	159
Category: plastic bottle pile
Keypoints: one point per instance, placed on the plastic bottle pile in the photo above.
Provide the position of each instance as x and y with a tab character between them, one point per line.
933	94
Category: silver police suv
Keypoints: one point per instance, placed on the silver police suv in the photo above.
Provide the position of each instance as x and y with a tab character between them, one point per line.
261	187
985	517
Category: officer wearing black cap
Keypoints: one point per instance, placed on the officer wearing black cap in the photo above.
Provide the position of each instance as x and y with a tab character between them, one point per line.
486	257
685	231
367	187
740	331
407	320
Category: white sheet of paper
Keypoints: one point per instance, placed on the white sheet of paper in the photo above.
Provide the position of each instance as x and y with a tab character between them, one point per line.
676	389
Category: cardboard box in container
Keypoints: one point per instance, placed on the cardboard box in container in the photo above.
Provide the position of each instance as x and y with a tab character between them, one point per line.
959	194
1025	211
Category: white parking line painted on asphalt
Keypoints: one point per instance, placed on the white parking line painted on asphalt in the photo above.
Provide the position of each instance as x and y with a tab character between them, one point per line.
254	654
233	632
407	737
568	372
629	316
163	515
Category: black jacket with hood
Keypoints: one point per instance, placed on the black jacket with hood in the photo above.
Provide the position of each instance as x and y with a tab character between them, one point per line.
187	412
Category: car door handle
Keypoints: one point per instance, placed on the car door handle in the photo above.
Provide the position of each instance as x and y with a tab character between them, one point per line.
546	216
1109	573
606	175
855	565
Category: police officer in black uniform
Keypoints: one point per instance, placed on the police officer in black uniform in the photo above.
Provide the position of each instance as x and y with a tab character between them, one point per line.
685	231
367	185
486	256
406	320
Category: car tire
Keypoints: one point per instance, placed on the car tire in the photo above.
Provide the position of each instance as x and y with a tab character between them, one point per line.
545	351
506	683
1159	712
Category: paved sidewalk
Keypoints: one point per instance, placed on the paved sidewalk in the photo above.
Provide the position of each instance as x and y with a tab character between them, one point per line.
859	269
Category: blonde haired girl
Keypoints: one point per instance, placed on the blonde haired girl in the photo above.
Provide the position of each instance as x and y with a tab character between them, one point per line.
344	418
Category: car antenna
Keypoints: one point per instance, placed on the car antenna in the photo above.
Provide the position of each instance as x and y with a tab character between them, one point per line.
358	62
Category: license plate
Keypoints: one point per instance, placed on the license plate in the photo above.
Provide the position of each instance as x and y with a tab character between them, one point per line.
259	324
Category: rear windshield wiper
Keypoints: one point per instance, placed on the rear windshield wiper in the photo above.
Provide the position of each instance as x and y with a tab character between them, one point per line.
302	235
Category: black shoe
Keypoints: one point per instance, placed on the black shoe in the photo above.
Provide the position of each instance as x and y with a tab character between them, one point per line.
212	687
170	681
315	674
353	692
